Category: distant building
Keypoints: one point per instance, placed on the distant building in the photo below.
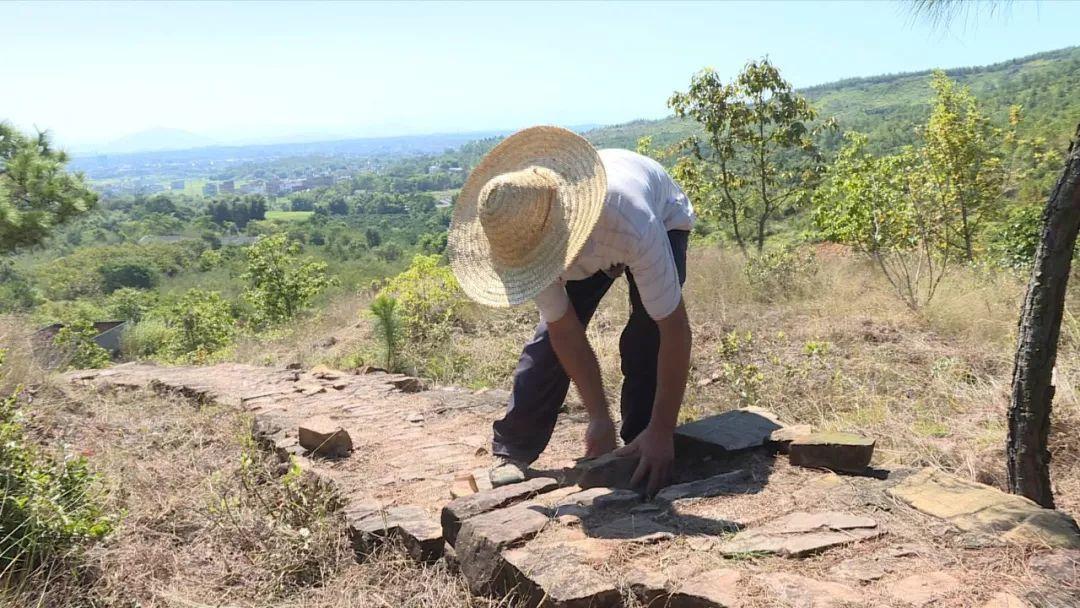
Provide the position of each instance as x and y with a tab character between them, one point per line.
238	240
177	184
317	182
209	189
228	186
273	186
433	169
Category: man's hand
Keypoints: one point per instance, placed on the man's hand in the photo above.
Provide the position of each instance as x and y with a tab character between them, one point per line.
655	449
599	437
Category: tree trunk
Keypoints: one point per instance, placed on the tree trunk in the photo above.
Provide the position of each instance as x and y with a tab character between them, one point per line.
1040	325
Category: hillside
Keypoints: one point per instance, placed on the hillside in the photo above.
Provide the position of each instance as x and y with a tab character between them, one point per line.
1046	85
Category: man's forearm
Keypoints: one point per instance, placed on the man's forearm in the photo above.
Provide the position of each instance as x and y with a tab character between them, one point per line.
673	365
579	361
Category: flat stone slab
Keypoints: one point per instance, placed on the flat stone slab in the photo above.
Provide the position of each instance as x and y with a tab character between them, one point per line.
607	471
460	509
638	529
562	575
717	485
482	539
844	452
420	533
324	437
923	589
711	589
727	432
804	592
978	508
800	534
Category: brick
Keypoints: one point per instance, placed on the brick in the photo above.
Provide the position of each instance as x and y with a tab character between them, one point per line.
844	452
369	527
462	508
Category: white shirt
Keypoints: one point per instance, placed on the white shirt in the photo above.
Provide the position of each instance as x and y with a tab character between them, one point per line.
642	204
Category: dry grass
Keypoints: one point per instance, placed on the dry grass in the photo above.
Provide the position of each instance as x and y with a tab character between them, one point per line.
205	520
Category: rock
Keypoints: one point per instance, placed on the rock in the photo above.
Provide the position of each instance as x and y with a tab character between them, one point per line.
482	539
803	592
460	509
561	575
1061	567
724	483
711	589
843	452
727	432
310	388
419	532
922	589
607	471
635	529
325	373
977	508
600	498
799	534
464	485
408	384
868	568
364	370
1006	600
781	438
293	365
323	437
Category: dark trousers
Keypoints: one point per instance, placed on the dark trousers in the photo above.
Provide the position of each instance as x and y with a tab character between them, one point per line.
540	384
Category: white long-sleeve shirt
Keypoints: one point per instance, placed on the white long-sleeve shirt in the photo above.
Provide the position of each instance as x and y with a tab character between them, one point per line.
642	204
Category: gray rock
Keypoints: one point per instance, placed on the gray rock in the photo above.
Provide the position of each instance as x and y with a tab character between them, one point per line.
369	527
800	534
323	437
562	575
712	589
725	483
803	592
727	432
844	452
460	509
607	471
482	539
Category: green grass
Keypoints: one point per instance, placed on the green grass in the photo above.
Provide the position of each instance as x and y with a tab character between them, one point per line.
289	216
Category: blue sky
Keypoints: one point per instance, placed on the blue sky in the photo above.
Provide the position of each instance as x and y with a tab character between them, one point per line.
241	72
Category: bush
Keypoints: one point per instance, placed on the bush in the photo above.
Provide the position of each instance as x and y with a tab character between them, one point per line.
200	324
129	304
281	283
139	275
780	274
49	508
1014	240
75	341
145	339
428	299
387	327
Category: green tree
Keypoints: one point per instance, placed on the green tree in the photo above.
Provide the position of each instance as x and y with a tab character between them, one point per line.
76	341
200	323
36	192
879	206
280	282
758	158
137	274
383	310
962	160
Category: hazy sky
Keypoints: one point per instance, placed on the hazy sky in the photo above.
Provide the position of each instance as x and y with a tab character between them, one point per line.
251	71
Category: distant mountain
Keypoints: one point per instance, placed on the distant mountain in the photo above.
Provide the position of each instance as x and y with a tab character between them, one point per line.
888	107
150	140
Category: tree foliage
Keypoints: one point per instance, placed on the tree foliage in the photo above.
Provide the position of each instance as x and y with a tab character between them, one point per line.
280	282
757	158
36	192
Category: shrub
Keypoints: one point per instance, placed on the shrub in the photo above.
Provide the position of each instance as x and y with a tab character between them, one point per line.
130	273
780	274
201	324
129	304
75	341
281	284
1014	240
49	506
387	327
428	299
145	339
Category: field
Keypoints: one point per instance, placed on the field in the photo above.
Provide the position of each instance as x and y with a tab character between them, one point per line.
289	216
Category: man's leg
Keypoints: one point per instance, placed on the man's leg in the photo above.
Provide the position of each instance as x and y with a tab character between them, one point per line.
540	384
639	346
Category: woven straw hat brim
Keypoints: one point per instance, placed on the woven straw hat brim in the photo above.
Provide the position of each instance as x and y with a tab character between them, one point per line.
580	200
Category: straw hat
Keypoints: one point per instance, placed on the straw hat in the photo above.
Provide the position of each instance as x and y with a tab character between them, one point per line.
524	214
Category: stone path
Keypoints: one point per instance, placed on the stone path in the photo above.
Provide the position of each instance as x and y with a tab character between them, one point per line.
742	525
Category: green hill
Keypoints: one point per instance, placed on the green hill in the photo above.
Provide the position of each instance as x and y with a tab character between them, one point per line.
887	107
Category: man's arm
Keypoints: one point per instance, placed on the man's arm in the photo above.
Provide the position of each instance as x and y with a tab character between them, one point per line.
579	361
656	444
